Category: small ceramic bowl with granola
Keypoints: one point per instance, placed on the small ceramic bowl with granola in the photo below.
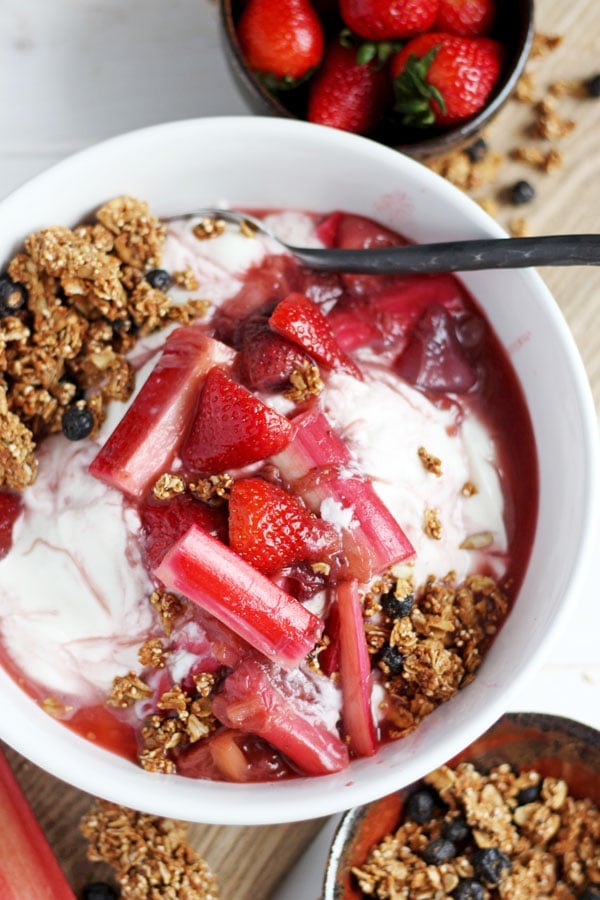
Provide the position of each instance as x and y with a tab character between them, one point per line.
515	815
274	541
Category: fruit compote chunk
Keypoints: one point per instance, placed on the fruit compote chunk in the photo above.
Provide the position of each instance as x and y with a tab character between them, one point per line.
300	534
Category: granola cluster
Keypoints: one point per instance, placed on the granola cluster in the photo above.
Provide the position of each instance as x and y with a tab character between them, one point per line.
79	304
151	856
497	835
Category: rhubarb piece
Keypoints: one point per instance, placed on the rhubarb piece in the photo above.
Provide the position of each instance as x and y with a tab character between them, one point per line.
271	529
165	521
210	574
11	505
149	435
252	701
433	360
232	428
318	466
233	756
301	321
355	672
28	867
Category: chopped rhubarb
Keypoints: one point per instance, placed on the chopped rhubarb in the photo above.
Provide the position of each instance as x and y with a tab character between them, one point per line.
317	465
165	521
252	701
234	756
28	867
301	321
232	428
355	672
210	574
11	505
149	435
271	529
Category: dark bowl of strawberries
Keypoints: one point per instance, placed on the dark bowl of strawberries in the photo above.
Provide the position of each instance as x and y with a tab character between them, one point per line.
422	76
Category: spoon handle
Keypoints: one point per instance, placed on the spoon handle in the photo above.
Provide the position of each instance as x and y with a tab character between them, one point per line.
459	256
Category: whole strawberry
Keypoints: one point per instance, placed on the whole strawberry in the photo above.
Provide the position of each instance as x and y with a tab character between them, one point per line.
346	94
382	20
470	18
281	39
442	78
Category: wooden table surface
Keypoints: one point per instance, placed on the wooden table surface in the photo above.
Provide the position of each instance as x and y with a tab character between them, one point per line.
76	71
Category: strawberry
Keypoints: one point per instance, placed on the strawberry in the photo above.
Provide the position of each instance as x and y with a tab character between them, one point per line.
346	94
382	20
442	78
301	321
281	39
470	18
165	521
232	428
271	529
266	359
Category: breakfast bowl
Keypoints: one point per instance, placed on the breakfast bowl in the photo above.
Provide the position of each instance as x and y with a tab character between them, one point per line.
513	29
275	165
520	761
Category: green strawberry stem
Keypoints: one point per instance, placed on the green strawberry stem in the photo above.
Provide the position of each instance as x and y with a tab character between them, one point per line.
414	93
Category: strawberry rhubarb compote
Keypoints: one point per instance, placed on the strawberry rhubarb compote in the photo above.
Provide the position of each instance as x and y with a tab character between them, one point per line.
299	523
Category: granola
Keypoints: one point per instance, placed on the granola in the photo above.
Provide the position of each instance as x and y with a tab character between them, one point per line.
504	834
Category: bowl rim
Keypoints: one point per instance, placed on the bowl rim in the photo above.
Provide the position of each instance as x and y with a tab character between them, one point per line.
76	760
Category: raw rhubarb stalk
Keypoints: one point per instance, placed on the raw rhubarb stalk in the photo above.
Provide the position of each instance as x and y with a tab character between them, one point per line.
210	574
355	672
28	867
250	702
147	438
318	466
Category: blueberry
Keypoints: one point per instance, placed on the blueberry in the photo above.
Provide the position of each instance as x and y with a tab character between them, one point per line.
477	150
13	296
390	660
77	422
395	608
491	865
521	192
593	86
530	794
590	893
438	851
468	889
456	830
420	805
99	890
159	279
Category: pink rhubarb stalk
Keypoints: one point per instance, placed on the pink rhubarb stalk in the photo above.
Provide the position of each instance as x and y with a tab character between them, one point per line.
355	672
210	574
28	867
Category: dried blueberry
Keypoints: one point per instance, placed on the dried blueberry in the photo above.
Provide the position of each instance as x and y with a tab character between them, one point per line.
77	422
468	889
593	86
590	893
395	607
420	805
477	150
456	830
99	890
491	865
13	296
529	794
159	279
390	660
438	851
521	192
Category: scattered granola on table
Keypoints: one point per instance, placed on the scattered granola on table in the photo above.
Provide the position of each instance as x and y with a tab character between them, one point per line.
474	836
151	856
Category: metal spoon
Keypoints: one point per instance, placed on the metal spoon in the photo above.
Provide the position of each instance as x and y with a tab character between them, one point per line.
451	256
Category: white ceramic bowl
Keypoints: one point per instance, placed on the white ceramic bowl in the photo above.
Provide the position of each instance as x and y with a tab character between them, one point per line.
258	162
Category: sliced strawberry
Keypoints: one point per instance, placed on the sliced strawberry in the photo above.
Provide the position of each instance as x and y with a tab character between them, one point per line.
11	505
149	435
165	521
271	529
355	672
233	756
210	574
433	359
301	321
266	360
252	700
232	428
